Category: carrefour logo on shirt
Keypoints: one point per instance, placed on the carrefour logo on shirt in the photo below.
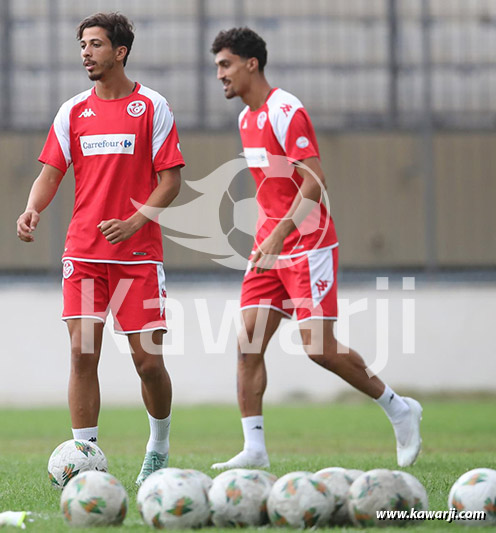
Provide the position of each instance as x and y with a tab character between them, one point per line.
112	143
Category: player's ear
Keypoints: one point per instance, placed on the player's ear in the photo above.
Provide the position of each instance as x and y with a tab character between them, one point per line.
252	64
121	52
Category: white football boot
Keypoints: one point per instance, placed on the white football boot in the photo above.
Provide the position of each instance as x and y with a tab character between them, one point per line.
408	447
245	459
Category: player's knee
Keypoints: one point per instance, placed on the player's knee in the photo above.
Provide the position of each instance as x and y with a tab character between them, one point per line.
83	363
250	340
249	360
324	356
150	369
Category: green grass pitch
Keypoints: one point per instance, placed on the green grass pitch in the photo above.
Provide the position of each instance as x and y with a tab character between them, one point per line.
457	435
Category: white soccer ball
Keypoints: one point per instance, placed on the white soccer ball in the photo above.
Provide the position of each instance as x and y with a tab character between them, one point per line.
300	500
271	478
338	481
353	473
420	500
238	498
172	498
94	499
73	457
475	491
378	490
206	481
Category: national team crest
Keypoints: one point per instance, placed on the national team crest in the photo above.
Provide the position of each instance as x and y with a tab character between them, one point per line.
261	120
136	108
302	142
67	269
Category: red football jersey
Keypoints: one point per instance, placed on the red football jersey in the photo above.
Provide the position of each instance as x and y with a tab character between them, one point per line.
282	127
117	147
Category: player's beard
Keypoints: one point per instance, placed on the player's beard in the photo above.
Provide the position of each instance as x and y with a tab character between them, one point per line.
106	66
230	93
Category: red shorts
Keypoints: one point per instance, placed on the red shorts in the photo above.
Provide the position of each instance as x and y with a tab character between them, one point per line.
306	283
134	293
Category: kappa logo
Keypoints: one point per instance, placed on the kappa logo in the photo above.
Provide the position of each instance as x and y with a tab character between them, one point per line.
163	297
286	108
87	113
322	285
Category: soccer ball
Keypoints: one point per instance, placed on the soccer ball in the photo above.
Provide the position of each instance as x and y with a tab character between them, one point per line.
378	490
238	498
338	481
300	500
420	501
353	473
475	491
94	499
172	498
206	481
73	457
271	478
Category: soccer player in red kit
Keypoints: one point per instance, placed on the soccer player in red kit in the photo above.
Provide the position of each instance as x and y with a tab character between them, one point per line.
120	137
292	269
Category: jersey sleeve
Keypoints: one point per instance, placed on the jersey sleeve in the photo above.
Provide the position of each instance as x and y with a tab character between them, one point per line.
57	149
301	141
166	151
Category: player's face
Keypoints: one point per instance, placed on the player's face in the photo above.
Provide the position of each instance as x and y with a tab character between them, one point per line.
233	72
97	53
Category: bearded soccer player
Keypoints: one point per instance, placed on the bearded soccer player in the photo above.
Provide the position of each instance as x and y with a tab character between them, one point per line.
122	140
292	269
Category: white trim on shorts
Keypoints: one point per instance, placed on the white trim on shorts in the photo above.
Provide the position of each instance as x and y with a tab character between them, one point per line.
317	318
267	307
305	252
150	262
141	330
64	318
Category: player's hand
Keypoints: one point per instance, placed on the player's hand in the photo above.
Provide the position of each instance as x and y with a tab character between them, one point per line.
115	230
267	254
26	224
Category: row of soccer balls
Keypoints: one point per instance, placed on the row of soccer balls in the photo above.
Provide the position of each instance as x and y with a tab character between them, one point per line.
172	498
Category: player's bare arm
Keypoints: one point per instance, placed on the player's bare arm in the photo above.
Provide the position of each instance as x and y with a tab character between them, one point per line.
115	230
42	192
310	189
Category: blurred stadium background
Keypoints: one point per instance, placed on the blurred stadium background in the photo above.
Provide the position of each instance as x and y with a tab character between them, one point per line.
402	94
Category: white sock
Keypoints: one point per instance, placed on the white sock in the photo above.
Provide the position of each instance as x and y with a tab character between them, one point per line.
90	434
393	404
159	434
253	431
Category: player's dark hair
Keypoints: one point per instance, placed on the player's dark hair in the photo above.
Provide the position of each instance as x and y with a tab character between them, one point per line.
243	42
119	29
